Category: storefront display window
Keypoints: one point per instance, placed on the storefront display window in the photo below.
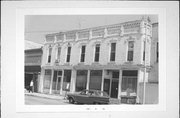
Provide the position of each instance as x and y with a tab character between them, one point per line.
95	79
81	80
47	79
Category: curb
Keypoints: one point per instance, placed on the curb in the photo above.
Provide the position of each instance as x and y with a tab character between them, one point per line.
45	96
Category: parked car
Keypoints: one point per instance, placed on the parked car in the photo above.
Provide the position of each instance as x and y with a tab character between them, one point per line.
89	97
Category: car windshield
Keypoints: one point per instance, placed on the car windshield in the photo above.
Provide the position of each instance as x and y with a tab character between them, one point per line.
100	93
94	93
83	92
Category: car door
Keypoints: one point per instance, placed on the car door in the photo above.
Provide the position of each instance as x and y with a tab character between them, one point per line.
96	97
82	97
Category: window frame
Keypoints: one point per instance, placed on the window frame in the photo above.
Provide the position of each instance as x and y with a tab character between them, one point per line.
68	54
58	54
113	52
95	52
130	50
83	54
49	57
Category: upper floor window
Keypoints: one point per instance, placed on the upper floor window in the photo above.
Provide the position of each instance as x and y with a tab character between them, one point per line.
83	50
49	55
97	52
58	53
113	52
68	54
130	50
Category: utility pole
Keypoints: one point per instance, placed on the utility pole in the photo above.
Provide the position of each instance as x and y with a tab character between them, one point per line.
144	79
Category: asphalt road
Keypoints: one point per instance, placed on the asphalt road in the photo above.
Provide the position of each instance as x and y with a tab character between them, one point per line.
34	100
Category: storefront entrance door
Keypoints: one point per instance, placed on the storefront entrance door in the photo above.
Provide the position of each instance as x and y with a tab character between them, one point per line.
106	85
114	88
57	82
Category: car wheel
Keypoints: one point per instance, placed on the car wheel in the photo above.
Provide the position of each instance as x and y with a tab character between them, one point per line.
71	100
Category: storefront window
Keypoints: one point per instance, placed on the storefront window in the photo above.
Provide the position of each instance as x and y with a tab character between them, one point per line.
47	79
81	80
129	83
54	80
95	79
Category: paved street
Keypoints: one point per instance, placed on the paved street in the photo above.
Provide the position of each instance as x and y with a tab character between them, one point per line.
34	100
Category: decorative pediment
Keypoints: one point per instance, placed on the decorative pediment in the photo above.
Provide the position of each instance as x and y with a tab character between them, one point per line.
112	40
130	38
97	42
80	44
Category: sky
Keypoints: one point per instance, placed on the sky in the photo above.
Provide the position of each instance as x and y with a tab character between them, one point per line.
37	26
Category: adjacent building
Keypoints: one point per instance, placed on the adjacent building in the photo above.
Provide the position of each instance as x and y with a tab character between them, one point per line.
114	58
33	54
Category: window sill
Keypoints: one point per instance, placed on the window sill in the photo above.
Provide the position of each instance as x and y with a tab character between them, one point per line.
128	62
81	63
111	63
95	63
67	63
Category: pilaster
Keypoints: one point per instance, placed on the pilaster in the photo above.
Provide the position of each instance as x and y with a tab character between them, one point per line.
88	80
120	82
50	91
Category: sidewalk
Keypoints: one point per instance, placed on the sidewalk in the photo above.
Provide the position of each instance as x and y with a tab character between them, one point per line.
50	96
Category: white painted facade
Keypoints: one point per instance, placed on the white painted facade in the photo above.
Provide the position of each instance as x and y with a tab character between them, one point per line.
139	31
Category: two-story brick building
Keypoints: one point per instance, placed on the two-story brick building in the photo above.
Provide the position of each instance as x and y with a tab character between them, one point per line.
109	58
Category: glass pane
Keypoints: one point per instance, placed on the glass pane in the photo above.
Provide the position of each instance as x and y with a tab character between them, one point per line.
81	80
130	73
68	58
47	79
59	83
54	80
130	55
115	74
113	47
82	57
96	57
66	80
95	79
129	85
97	48
59	72
106	85
112	58
69	50
49	59
83	49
